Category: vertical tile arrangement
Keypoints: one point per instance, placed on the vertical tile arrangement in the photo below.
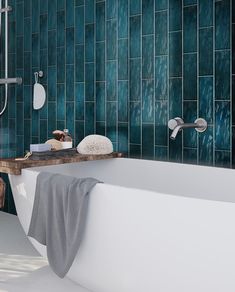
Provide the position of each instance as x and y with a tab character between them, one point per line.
123	68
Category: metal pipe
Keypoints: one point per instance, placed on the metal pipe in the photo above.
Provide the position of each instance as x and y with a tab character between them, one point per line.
6	80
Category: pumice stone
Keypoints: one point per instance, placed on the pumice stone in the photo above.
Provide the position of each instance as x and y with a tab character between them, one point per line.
95	144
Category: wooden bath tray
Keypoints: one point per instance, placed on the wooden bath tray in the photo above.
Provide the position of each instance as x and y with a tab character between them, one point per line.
11	166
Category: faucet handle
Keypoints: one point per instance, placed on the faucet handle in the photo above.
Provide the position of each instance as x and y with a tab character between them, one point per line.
174	123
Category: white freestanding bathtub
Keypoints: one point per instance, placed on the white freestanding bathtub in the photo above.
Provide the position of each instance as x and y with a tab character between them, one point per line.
151	227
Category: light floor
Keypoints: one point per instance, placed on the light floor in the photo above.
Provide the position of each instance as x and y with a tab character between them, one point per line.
21	267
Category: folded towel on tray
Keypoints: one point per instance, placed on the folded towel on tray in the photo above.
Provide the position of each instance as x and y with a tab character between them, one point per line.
95	144
59	215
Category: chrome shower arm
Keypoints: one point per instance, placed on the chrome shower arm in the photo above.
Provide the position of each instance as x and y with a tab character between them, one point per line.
16	80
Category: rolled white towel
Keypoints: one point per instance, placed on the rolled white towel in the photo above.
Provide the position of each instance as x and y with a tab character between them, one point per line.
95	144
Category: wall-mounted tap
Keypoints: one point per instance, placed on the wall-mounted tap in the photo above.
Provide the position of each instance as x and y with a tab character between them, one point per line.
177	124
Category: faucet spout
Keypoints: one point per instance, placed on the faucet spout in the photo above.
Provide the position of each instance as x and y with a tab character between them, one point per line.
178	128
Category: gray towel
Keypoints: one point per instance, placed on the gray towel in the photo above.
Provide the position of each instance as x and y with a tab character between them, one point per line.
59	215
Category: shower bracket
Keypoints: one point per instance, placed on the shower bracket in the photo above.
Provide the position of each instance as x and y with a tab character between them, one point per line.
6	9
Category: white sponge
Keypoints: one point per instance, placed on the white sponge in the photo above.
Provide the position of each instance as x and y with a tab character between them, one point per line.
95	144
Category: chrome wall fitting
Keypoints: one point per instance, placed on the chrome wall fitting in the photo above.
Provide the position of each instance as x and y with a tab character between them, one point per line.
177	124
38	74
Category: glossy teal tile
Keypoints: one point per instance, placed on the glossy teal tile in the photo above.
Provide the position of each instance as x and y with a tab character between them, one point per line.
206	147
43	131
161	153
206	98
148	101
189	2
89	82
61	28
190	76
111	35
43	31
206	51
100	61
79	131
70	117
135	79
70	45
61	102
123	101
135	36
161	5
89	11
112	8
222	75
148	57
233	147
147	141
161	33
111	77
79	25
100	21
190	29
123	23
222	24
135	151
79	63
69	12
223	159
52	48
60	4
61	65
35	16
123	59
190	156
27	102
161	77
52	14
35	123
20	52
100	128
89	118
51	118
189	116
161	117
148	17
175	54
111	121
135	122
43	6
69	82
89	43
27	34
135	7
175	98
175	15
79	101
206	8
43	64
100	101
19	19
123	138
79	2
222	125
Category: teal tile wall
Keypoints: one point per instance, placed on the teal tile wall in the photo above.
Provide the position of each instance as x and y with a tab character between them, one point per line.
123	68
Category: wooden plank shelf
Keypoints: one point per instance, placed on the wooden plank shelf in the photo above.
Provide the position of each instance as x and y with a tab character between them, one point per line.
12	166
